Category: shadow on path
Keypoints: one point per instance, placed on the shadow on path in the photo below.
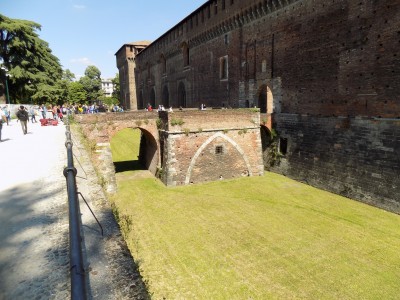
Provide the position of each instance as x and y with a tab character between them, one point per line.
34	242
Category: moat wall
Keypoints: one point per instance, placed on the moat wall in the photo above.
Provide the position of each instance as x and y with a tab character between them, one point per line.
355	157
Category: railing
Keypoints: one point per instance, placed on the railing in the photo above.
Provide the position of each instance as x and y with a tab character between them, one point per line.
77	271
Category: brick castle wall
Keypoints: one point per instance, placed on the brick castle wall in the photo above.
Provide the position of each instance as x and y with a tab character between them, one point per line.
354	157
322	61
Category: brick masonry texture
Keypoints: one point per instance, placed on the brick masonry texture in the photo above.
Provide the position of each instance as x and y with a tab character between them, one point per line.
189	146
355	157
211	145
314	67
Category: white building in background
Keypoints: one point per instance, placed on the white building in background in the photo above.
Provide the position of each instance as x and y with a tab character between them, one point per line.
107	87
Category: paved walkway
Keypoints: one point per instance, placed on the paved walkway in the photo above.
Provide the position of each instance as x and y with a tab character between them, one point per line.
34	249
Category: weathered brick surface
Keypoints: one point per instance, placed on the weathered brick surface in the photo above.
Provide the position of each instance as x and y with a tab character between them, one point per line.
100	128
335	62
355	157
187	152
332	58
210	145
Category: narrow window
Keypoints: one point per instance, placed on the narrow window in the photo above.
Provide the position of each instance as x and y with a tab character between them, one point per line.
215	7
185	50
283	146
223	67
223	4
226	39
209	11
231	2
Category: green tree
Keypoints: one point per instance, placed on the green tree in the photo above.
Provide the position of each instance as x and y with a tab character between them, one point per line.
92	83
109	101
68	75
76	92
34	70
115	82
62	86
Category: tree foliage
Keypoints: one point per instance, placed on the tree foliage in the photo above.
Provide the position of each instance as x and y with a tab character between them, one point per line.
91	82
34	71
76	92
115	82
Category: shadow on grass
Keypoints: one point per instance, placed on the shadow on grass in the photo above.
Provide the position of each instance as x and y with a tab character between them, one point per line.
129	165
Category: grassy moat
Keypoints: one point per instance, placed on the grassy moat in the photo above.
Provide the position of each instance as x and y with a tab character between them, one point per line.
265	237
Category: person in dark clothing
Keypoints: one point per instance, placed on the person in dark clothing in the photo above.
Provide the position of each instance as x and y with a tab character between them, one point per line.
2	120
23	117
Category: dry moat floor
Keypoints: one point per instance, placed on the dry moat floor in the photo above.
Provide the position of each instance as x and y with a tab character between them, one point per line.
254	238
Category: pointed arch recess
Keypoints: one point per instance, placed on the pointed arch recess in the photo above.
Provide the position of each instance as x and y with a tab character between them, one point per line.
205	144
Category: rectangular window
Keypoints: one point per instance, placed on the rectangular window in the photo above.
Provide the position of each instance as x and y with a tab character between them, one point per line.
209	11
223	68
219	150
231	2
215	7
223	4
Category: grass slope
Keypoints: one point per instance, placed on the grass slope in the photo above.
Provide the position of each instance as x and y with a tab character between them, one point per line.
263	237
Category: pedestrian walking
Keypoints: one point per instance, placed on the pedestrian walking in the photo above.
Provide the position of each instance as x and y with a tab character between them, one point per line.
3	119
7	114
32	112
22	116
43	111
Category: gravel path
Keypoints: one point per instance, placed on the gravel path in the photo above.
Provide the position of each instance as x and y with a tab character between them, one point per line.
34	249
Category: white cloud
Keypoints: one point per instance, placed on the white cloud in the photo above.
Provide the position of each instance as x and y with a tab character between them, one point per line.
82	61
79	6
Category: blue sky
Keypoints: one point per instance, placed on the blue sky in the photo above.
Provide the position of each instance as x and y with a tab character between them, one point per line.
90	32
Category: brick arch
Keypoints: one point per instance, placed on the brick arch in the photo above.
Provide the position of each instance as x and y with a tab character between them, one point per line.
265	100
100	128
149	152
152	99
182	101
206	143
165	96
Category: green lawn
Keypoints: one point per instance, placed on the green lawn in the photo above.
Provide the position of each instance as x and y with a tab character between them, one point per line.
263	237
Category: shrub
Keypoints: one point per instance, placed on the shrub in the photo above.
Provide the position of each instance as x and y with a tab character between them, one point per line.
175	122
159	123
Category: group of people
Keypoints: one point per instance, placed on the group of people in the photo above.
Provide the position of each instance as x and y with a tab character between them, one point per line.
95	108
22	116
160	108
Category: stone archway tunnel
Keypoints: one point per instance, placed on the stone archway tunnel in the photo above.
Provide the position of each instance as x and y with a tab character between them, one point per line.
183	143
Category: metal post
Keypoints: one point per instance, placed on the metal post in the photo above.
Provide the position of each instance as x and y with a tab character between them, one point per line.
78	276
8	96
